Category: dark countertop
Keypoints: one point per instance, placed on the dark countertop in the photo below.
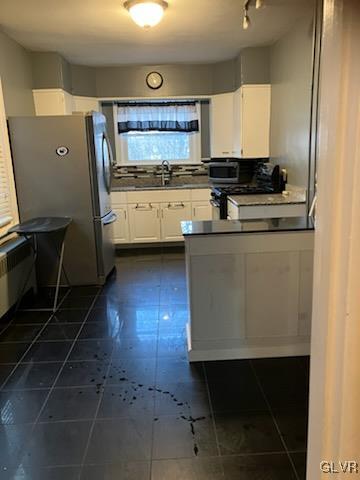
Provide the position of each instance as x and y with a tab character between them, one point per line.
294	196
154	183
266	225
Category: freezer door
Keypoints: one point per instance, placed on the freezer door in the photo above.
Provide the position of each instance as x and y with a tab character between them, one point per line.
105	245
101	163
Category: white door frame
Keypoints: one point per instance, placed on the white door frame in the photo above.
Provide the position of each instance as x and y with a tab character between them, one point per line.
334	417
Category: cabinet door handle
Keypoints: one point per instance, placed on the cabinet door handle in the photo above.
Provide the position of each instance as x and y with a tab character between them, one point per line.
125	214
143	207
176	206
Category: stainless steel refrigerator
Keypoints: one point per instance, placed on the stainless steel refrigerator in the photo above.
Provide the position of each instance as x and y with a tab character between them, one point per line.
62	167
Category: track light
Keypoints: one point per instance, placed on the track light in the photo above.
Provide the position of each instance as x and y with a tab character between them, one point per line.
246	20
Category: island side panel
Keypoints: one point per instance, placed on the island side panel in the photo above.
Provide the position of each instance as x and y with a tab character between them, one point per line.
217	316
249	295
306	291
272	294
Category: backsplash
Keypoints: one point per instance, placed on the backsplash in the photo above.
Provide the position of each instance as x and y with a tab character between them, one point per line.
146	171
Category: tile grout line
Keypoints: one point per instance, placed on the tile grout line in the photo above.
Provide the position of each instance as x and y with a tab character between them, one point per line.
155	386
98	407
212	413
61	369
50	312
93	421
99	404
28	349
32	342
275	422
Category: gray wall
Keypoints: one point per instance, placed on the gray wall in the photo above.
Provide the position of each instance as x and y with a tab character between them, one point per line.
255	65
16	77
50	70
83	80
182	79
291	80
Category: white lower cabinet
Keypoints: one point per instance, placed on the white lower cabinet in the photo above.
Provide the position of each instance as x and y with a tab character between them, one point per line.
144	222
121	226
172	214
156	215
201	211
250	212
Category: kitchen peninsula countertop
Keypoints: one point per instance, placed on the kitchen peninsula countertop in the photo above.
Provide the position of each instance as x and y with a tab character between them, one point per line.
266	225
295	196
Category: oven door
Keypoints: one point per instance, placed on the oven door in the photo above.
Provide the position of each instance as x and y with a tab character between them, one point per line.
224	172
215	209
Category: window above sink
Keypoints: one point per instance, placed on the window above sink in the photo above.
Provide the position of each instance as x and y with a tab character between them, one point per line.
154	147
149	133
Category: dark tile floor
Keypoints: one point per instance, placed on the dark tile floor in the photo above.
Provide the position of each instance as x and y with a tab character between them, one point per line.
103	390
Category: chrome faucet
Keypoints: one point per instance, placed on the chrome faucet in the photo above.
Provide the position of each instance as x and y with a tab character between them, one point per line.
165	166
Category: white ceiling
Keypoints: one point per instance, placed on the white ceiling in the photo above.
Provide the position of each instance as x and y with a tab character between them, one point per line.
101	32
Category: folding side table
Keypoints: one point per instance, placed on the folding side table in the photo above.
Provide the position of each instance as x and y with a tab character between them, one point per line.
43	226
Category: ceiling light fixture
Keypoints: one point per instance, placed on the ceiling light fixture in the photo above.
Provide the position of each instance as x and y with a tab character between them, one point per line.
146	13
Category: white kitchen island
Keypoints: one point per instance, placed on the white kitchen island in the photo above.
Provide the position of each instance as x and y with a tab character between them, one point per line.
250	287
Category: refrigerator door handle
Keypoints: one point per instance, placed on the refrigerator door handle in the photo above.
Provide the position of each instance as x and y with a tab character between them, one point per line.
112	159
107	162
110	219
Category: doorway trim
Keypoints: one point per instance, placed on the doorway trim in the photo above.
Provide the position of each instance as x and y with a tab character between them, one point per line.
334	416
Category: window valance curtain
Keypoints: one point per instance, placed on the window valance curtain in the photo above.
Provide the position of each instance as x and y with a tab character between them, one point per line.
162	117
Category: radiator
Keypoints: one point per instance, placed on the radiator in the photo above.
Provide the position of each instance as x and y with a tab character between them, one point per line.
15	262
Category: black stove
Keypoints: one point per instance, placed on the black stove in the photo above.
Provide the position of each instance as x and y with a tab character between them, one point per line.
219	195
267	179
241	190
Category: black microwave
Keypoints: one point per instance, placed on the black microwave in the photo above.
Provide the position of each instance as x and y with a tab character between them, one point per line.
224	172
231	171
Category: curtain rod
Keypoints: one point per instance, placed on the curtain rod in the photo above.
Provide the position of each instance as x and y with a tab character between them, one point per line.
156	103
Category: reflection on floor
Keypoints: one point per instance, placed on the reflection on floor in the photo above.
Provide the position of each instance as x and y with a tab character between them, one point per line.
103	390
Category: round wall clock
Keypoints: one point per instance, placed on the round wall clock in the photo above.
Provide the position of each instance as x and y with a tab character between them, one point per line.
154	80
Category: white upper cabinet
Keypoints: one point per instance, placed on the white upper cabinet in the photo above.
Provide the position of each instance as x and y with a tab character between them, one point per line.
253	105
86	104
237	125
221	121
240	122
53	101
